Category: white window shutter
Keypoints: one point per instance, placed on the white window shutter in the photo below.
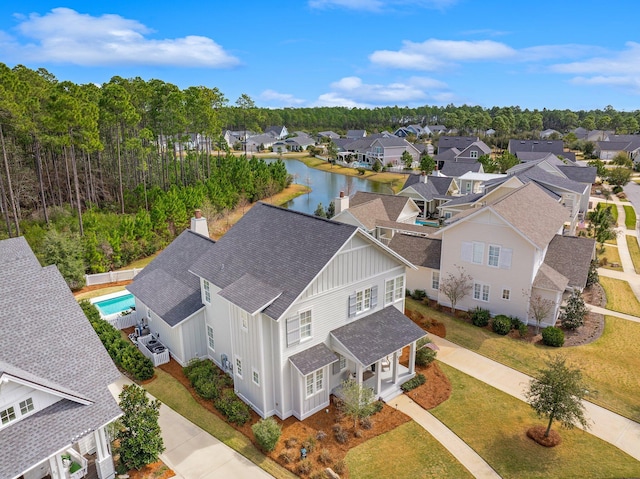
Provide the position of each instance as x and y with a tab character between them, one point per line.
374	296
467	251
505	258
352	305
293	330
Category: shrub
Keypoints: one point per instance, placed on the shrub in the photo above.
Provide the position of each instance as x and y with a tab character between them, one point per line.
480	317
304	467
365	423
340	467
340	434
309	444
324	457
519	325
321	435
377	406
419	294
424	355
414	382
232	407
501	324
552	336
267	433
357	433
198	368
573	314
207	388
286	457
291	442
617	189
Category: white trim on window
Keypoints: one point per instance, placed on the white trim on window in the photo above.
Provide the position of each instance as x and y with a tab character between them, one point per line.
393	289
435	280
478	252
211	342
305	319
207	291
238	368
493	259
342	364
481	292
314	382
7	415
255	377
473	154
363	300
506	294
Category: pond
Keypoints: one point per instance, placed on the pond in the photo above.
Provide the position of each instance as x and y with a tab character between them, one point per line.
325	186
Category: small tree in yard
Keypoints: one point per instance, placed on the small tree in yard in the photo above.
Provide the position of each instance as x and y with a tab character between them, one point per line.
539	309
573	314
267	432
357	401
557	394
407	159
593	277
456	286
138	431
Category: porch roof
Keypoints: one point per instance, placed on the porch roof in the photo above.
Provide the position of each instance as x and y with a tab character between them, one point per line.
377	335
261	296
313	359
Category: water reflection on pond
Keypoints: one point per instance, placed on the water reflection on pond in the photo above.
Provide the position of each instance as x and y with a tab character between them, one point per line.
325	186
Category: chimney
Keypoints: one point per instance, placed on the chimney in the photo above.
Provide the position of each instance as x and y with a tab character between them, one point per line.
199	224
423	177
341	203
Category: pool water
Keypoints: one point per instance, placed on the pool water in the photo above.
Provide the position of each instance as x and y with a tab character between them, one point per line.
427	223
116	305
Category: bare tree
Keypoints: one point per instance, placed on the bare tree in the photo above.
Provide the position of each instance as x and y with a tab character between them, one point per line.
539	308
456	286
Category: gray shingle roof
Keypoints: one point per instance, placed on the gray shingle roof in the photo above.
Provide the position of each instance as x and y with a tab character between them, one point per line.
314	358
581	174
261	294
393	205
46	334
378	335
456	169
571	256
549	278
282	248
166	286
552	146
459	142
464	199
434	187
418	250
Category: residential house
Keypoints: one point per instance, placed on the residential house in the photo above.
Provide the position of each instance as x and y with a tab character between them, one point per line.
54	376
410	130
300	142
473	151
356	134
168	297
547	146
550	133
258	142
513	250
382	216
592	135
328	134
278	132
615	144
424	253
383	148
429	192
459	142
435	130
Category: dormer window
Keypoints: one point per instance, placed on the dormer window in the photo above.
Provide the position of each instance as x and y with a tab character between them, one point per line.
26	406
7	415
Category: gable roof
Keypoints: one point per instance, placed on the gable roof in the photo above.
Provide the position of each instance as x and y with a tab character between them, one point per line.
281	248
581	174
458	168
571	256
166	286
313	358
47	337
436	186
459	142
551	146
418	250
549	278
480	145
392	204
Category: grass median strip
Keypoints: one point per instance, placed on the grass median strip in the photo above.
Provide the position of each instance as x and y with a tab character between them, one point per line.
620	296
629	217
634	251
494	424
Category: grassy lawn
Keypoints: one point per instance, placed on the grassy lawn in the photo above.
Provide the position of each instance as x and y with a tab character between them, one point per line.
634	251
608	364
612	255
407	451
620	297
98	292
494	424
173	394
629	217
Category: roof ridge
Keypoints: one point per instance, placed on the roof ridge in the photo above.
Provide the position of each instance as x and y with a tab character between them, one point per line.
309	215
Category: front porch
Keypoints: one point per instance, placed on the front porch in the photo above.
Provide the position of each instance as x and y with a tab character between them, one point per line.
383	383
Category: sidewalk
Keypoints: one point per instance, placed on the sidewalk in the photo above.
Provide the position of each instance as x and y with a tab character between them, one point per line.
193	453
606	425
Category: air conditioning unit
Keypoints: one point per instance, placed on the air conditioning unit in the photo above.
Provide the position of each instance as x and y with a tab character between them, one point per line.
226	364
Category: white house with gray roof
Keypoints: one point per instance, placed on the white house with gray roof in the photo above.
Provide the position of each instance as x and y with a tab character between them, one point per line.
54	375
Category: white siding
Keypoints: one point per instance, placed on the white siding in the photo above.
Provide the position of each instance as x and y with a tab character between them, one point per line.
194	339
218	317
167	335
11	394
421	279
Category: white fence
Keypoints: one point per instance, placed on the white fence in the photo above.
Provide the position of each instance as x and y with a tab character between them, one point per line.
121	321
111	276
157	358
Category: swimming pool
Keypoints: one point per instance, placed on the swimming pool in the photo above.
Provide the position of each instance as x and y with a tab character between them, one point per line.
115	305
435	224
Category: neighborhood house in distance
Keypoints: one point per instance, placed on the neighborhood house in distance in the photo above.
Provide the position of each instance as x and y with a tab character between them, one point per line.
55	404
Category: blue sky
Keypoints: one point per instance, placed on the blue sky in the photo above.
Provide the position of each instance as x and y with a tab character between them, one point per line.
364	53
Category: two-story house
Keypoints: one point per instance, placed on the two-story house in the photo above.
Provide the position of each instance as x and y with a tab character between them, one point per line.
429	192
55	405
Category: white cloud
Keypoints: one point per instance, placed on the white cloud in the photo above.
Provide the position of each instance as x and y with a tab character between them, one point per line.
282	99
66	36
433	54
625	62
381	5
353	92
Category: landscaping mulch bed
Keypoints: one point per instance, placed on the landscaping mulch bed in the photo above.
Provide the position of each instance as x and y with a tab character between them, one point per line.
537	434
155	470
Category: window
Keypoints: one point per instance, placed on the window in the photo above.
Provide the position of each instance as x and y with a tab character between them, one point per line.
342	363
473	154
478	252
255	377
7	415
210	338
207	291
239	367
314	382
363	300
494	255
481	292
393	289
26	406
435	280
305	324
506	294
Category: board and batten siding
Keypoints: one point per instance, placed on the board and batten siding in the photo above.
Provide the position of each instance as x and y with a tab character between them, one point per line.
193	339
13	393
167	335
217	316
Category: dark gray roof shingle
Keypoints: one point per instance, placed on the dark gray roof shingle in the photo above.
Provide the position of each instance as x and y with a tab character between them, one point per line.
571	256
581	174
418	250
250	294
46	334
166	285
314	358
282	248
378	335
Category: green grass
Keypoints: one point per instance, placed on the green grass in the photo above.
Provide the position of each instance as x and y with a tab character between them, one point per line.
620	297
608	364
612	255
629	217
173	394
634	251
406	451
98	292
494	424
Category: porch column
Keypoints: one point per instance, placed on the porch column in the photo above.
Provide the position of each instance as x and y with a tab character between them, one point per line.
57	469
394	373
412	358
104	461
359	374
378	377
